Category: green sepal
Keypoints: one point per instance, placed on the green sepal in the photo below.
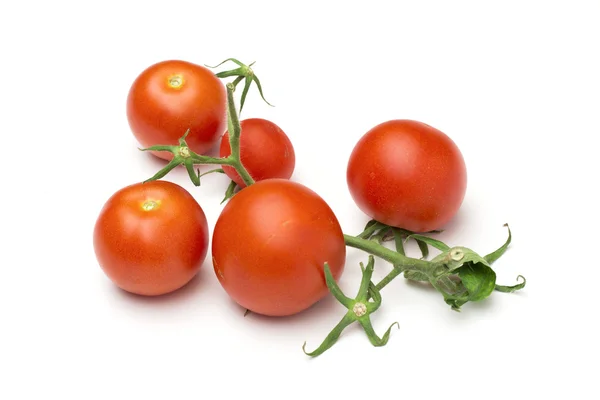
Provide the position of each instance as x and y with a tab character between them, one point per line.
510	289
182	141
194	176
247	85
170	149
373	337
369	224
398	241
216	170
371	229
242	72
260	90
335	289
490	258
424	249
374	294
234	72
229	192
175	162
365	283
430	241
332	337
223	62
358	309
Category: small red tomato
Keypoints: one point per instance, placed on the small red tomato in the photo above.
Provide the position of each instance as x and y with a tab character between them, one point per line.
265	151
407	174
270	244
151	238
170	97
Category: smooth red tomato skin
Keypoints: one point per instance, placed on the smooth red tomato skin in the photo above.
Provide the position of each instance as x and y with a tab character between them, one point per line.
172	96
265	150
407	174
151	252
270	244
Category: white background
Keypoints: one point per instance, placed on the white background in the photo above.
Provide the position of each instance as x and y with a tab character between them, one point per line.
514	83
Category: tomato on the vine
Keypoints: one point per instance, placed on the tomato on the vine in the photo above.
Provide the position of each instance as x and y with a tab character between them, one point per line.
265	150
270	245
407	174
151	238
172	96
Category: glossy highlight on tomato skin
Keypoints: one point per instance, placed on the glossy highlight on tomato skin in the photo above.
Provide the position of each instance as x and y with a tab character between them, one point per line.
270	244
265	151
407	174
151	238
172	96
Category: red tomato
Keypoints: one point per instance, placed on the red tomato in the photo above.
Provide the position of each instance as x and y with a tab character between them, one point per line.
270	244
265	151
170	97
151	238
407	174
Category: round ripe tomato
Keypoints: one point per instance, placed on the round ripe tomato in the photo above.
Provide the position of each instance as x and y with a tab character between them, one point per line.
265	151
170	97
270	244
407	174
151	238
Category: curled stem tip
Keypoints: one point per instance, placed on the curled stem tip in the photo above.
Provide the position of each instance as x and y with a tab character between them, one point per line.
495	255
514	288
331	338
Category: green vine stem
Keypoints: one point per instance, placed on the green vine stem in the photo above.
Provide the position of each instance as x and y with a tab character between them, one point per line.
235	130
183	155
400	262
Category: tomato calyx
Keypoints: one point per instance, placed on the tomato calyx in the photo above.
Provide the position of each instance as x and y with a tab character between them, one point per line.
243	72
359	309
183	155
458	273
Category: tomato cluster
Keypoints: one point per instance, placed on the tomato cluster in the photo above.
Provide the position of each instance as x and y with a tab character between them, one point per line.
277	246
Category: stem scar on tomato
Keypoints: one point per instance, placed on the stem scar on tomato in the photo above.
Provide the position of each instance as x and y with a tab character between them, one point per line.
150	205
175	81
